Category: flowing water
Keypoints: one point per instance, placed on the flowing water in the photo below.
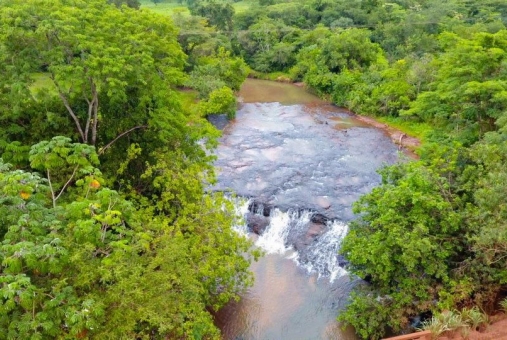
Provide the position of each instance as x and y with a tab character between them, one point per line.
297	164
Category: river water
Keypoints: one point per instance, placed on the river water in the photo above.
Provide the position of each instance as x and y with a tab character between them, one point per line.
297	164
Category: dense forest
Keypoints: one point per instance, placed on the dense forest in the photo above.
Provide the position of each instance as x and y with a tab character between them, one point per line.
106	227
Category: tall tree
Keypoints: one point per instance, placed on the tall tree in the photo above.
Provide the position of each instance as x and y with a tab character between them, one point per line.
112	69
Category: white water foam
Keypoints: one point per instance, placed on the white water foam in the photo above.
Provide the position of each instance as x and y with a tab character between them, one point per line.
240	210
321	256
282	224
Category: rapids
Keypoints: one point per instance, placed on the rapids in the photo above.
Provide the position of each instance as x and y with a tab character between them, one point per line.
297	164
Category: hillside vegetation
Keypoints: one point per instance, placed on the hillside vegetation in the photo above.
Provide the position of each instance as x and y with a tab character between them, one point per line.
106	229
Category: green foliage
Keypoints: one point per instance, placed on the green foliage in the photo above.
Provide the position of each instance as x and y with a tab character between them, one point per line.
130	3
435	326
94	70
473	317
443	322
468	91
79	259
450	321
218	14
413	214
412	127
101	266
486	181
198	39
221	100
82	260
368	314
215	78
216	71
503	305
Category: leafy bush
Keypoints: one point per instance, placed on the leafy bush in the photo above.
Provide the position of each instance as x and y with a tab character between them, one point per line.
220	101
443	322
435	326
465	320
474	317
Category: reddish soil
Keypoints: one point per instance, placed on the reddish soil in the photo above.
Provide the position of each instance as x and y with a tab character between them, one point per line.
497	330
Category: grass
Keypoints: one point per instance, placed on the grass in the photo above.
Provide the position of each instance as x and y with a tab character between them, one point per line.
41	81
171	7
165	7
474	317
412	128
275	76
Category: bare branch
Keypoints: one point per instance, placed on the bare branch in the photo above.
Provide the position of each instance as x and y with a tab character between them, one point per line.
68	182
95	101
69	109
101	151
51	188
91	104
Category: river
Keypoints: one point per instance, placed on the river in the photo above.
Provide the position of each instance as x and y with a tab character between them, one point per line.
297	164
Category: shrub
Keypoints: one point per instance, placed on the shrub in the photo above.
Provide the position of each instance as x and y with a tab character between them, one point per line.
474	317
220	101
503	305
435	326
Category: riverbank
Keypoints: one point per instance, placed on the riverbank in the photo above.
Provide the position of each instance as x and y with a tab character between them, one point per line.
398	136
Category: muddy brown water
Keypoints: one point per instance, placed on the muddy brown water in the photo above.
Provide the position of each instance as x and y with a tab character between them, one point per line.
300	156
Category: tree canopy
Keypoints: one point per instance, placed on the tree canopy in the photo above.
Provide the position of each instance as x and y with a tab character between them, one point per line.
106	229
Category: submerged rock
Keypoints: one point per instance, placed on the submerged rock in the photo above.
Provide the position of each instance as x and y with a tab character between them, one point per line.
320	219
323	202
257	223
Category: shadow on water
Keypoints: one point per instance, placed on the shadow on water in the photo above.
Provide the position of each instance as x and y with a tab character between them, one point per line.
303	158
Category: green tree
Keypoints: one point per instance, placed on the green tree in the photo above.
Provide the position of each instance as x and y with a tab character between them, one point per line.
96	265
407	241
221	100
468	92
218	14
130	3
92	68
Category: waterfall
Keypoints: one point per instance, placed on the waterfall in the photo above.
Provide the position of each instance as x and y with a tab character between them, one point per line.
286	229
322	256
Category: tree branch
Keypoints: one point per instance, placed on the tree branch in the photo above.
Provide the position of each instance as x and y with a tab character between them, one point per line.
69	109
68	182
90	108
101	151
51	188
95	102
